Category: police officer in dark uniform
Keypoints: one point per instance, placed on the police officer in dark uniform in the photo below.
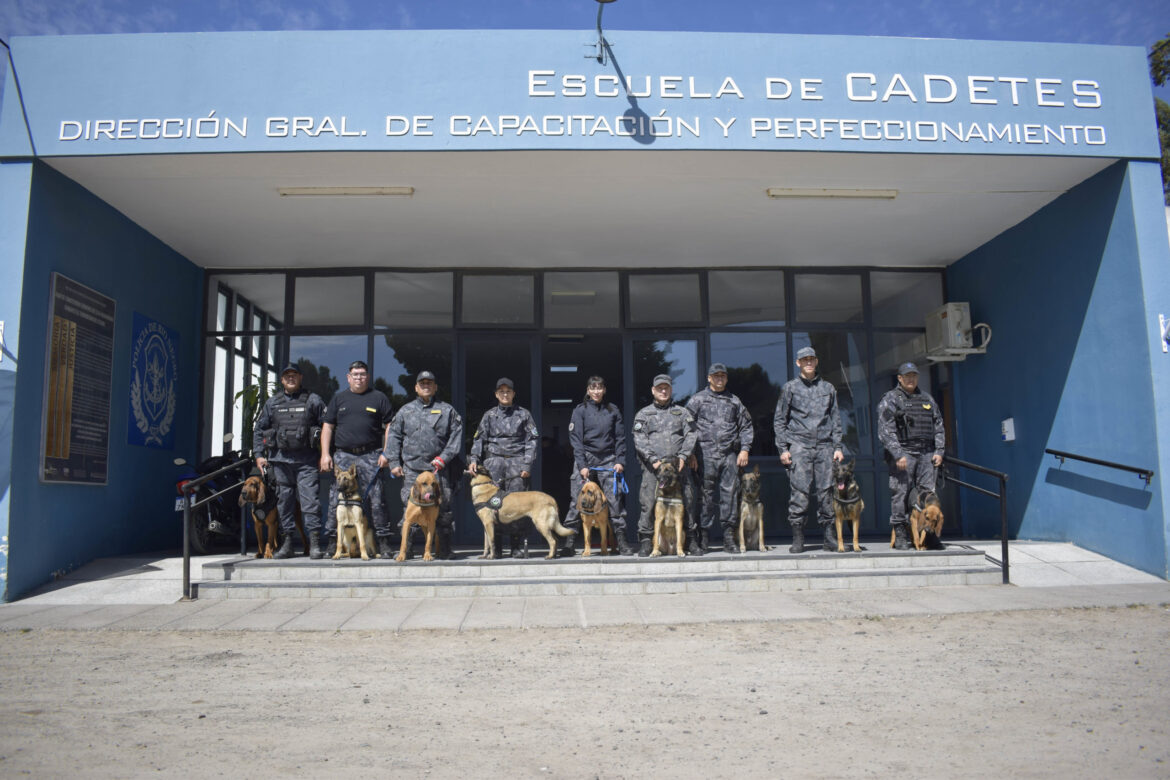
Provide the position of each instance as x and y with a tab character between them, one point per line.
505	443
725	439
353	436
808	435
663	431
285	437
427	435
910	427
598	438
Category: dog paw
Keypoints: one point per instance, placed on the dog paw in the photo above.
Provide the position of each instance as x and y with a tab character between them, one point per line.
428	557
656	554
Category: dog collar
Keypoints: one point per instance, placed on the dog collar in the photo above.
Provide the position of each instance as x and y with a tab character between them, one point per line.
752	501
670	500
419	503
846	500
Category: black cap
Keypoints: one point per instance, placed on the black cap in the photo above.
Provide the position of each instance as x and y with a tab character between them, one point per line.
907	368
424	375
290	367
505	382
717	368
359	364
663	378
805	352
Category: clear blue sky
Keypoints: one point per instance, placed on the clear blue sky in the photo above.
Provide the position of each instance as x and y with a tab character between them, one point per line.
1128	22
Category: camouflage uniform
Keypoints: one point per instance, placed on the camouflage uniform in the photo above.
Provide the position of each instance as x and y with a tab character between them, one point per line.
725	428
282	435
808	426
505	443
418	434
663	433
910	426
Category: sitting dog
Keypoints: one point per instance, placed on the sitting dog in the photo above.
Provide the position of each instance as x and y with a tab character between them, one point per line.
264	515
494	507
847	503
926	521
593	507
751	512
354	534
422	510
669	535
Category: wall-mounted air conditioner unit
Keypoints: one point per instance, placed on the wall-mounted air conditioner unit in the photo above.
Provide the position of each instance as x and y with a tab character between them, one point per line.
949	333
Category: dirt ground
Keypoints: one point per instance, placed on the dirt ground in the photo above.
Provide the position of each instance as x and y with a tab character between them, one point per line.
1071	693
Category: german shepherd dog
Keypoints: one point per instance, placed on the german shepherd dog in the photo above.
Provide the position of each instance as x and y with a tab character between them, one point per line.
926	521
593	507
540	508
262	497
422	509
751	512
669	535
354	534
847	503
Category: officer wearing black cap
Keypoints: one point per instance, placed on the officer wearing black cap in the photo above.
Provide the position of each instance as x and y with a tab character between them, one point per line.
505	443
427	435
284	439
808	436
352	436
663	431
910	427
725	439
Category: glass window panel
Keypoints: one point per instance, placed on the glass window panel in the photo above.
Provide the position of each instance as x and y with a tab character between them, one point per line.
217	402
264	291
239	373
842	361
408	300
221	303
892	350
398	359
757	367
240	322
324	360
678	357
499	300
746	297
329	300
258	341
664	299
581	300
903	299
828	298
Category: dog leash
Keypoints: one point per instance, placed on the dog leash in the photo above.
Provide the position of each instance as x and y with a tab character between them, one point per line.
370	487
619	479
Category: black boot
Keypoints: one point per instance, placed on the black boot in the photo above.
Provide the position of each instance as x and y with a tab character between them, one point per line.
565	549
645	547
797	539
703	541
624	547
695	545
443	549
315	545
901	536
385	549
330	546
286	550
519	546
830	538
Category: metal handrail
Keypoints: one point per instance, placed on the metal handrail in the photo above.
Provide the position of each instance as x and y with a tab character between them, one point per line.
1146	474
187	490
1001	495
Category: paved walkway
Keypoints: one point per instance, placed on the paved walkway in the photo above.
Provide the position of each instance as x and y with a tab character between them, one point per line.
142	593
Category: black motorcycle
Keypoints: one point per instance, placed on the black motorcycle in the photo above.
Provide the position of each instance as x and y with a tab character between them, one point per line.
217	520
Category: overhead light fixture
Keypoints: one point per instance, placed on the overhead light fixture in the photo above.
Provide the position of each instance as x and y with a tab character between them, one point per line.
562	401
343	192
813	192
562	369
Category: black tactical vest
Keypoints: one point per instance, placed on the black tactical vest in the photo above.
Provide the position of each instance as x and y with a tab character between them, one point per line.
290	422
915	420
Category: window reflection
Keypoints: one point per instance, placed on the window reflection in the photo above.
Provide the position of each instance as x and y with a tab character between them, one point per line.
414	300
664	299
324	361
498	300
828	298
903	299
581	300
398	359
842	361
757	367
679	358
746	297
330	300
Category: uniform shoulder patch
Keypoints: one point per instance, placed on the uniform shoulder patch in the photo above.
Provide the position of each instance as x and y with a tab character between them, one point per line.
570	426
638	425
675	410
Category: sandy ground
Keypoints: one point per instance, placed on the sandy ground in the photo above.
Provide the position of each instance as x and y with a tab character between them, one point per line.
1070	693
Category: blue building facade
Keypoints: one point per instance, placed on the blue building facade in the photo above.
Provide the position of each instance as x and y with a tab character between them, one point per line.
497	202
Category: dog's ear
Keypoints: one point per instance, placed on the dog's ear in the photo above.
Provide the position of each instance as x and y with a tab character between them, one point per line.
756	470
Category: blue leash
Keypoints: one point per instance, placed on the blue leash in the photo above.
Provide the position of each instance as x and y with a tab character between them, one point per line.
369	487
619	479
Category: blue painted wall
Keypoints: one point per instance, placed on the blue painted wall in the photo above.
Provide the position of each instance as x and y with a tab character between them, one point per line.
1071	363
55	528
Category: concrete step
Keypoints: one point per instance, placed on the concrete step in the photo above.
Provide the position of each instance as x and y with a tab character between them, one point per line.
877	566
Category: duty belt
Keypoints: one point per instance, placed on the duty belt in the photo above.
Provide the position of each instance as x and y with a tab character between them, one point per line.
358	450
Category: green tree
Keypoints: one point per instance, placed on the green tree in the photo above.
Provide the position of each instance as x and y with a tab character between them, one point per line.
1159	72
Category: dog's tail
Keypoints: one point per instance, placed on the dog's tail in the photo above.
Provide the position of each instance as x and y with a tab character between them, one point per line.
561	530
